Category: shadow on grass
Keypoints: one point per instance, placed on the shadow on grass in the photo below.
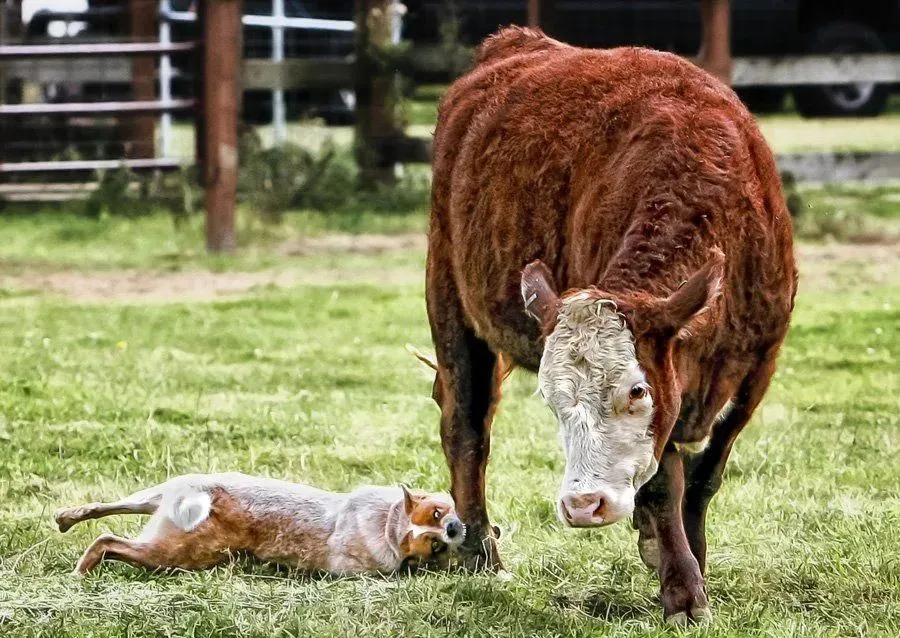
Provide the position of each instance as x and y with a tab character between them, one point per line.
604	605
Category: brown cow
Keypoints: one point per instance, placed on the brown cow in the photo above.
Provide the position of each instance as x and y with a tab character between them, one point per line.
641	185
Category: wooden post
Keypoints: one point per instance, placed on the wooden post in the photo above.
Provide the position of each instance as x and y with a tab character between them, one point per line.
219	111
142	129
4	12
541	14
715	49
534	13
377	125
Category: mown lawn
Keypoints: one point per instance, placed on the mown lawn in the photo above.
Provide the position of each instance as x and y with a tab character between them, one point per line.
312	383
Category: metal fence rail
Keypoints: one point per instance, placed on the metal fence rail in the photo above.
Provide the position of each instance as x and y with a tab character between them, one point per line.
103	62
99	49
272	74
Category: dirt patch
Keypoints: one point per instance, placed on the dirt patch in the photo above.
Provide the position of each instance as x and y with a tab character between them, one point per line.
161	287
150	286
822	268
360	244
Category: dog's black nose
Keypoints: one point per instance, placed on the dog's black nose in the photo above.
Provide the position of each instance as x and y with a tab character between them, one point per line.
454	528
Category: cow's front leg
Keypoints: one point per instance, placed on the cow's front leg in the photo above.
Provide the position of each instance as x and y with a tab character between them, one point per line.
467	389
470	381
660	502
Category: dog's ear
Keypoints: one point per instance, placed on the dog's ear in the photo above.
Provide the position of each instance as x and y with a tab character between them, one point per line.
408	500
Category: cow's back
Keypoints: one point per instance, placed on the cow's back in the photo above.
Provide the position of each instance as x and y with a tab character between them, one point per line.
594	161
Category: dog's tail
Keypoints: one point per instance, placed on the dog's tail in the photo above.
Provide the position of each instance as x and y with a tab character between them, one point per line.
189	508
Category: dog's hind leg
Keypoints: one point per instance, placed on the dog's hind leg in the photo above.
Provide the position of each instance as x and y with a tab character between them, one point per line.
142	502
162	545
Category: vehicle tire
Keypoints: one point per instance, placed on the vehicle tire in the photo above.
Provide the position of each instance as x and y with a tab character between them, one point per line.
763	99
257	107
845	100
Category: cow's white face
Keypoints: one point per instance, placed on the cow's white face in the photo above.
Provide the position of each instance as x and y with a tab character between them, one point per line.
591	379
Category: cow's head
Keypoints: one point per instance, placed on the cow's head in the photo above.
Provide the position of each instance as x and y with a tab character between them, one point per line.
608	374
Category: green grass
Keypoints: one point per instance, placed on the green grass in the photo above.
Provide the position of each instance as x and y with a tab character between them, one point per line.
845	212
51	239
312	383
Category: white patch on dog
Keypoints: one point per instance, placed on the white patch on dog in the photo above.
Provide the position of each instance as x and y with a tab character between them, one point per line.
418	530
587	371
190	509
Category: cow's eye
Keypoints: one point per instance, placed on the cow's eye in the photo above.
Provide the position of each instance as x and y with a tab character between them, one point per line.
638	391
437	514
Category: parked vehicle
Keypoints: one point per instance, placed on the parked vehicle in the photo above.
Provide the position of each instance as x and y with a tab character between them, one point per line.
759	28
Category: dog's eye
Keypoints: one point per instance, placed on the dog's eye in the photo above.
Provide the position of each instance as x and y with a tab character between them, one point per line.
436	546
437	514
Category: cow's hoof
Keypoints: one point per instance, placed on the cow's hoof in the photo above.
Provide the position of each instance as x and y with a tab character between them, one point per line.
505	576
480	553
697	616
648	548
684	597
678	620
702	615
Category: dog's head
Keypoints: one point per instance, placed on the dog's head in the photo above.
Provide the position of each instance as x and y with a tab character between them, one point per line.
434	532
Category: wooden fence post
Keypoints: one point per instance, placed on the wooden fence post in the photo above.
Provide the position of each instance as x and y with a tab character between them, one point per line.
219	112
377	120
142	128
541	14
715	49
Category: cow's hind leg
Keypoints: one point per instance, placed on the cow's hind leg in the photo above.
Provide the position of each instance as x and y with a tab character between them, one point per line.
704	471
648	547
468	389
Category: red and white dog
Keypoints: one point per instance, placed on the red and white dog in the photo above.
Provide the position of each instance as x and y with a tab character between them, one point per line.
201	520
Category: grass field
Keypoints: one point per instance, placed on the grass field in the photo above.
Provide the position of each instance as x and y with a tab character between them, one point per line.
297	369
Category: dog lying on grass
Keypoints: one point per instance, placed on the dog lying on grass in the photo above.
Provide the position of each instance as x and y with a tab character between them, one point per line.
201	520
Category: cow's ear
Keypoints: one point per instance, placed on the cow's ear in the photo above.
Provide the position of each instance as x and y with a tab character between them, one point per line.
694	297
539	293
